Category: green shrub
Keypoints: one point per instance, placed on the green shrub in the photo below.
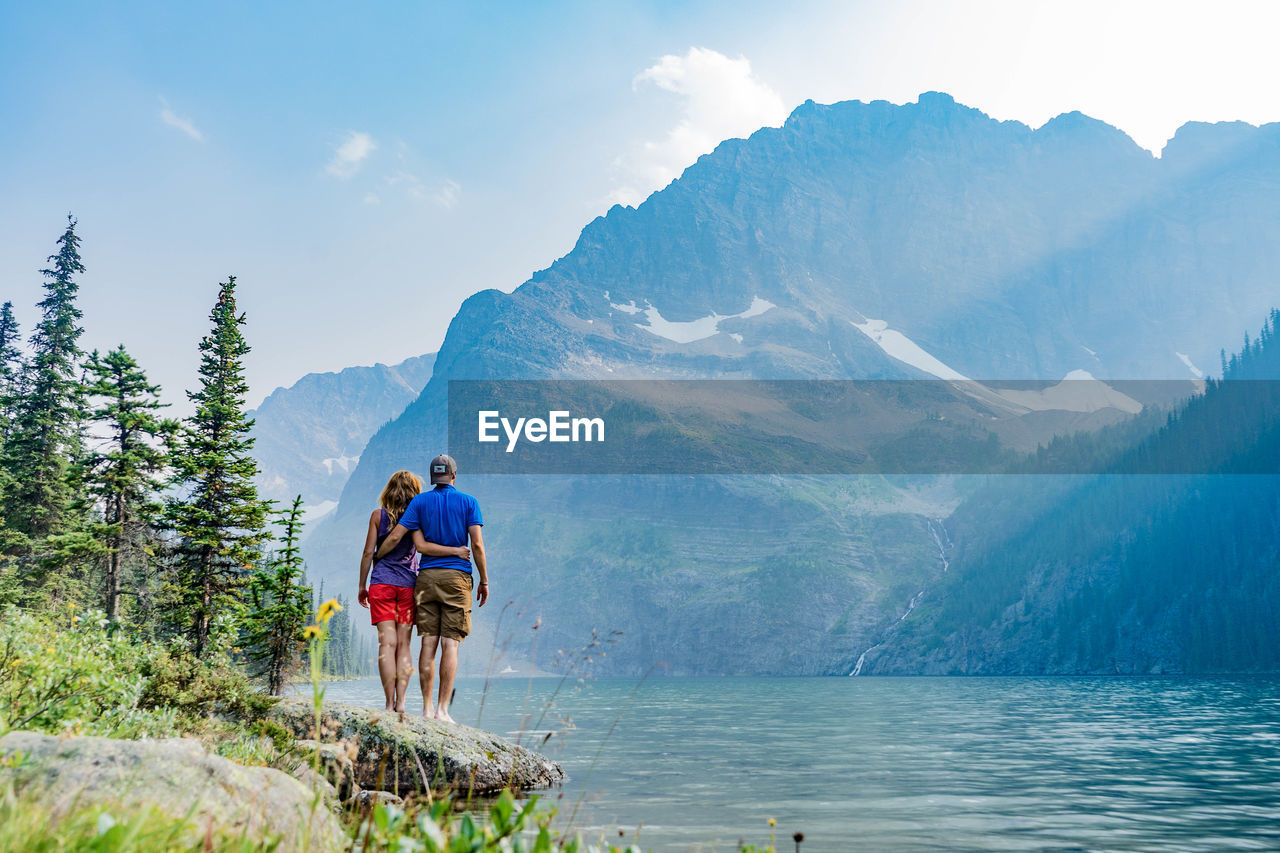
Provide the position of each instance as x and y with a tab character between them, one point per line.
175	678
202	686
435	828
67	673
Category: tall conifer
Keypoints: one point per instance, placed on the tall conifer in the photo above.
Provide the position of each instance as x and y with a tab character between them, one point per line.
10	367
45	433
219	518
10	374
124	471
280	605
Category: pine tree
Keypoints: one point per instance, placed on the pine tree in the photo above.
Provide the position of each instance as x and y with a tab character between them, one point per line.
219	519
10	367
280	605
45	434
338	657
125	471
10	374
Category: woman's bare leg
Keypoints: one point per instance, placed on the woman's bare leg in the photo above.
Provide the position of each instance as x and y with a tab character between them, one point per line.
404	663
387	660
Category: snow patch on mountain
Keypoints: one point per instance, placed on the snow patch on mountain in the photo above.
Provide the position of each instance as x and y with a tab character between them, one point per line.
345	463
1078	391
629	308
312	514
1195	371
899	346
696	330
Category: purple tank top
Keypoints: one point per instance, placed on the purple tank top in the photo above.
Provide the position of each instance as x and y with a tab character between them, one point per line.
400	566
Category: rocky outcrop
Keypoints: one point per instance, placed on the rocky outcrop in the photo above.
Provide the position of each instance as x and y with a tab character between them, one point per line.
179	778
334	762
407	754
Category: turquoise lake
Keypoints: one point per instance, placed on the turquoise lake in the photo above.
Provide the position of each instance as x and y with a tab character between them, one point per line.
887	764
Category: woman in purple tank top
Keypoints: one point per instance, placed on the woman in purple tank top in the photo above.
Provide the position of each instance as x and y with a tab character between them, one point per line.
388	590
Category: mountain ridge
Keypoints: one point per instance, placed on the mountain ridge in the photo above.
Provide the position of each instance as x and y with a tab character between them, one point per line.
1001	251
308	436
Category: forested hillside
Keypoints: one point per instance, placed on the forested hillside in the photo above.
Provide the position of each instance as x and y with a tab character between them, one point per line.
1118	572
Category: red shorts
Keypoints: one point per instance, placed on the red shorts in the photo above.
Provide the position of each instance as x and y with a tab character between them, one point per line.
389	603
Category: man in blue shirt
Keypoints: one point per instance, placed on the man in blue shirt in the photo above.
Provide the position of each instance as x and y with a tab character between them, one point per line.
443	591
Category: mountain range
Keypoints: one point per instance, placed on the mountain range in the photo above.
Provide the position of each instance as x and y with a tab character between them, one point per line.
308	437
858	240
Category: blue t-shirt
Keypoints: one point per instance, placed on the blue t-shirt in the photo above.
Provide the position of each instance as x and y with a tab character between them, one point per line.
443	515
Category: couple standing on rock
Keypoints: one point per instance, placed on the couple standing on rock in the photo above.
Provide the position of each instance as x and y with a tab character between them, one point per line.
434	593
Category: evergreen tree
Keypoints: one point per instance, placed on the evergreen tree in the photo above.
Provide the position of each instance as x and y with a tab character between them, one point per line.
45	433
280	605
338	658
219	519
124	471
10	375
10	367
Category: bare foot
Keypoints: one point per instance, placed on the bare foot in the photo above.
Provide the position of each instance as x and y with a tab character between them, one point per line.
443	716
428	712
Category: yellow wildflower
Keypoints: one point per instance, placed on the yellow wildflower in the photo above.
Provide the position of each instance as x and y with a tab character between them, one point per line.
311	632
71	605
326	611
16	661
772	822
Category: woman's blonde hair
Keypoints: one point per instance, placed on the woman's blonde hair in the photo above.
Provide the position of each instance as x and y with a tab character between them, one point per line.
400	489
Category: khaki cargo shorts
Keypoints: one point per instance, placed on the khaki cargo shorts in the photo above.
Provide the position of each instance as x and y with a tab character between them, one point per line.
442	603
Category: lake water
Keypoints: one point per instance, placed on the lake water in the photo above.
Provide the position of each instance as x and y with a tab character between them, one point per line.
884	764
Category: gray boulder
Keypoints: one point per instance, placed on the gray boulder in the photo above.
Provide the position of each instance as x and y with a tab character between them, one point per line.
409	754
365	800
179	778
335	762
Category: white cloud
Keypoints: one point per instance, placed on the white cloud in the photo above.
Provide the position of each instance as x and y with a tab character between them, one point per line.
350	154
372	198
722	99
447	196
183	124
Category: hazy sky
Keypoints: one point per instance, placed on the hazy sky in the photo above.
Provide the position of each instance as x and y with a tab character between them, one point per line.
363	168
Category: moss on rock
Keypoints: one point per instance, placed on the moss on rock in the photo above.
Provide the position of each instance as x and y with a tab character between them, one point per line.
407	754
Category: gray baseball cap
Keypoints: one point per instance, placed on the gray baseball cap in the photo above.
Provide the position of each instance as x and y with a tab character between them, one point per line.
442	468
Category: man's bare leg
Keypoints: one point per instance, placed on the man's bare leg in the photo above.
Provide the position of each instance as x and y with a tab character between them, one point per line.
426	672
404	663
387	660
448	669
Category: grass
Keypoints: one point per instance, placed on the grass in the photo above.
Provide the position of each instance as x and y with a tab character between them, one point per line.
26	827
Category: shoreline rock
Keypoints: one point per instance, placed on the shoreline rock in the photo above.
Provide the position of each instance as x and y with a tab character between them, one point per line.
407	754
176	776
